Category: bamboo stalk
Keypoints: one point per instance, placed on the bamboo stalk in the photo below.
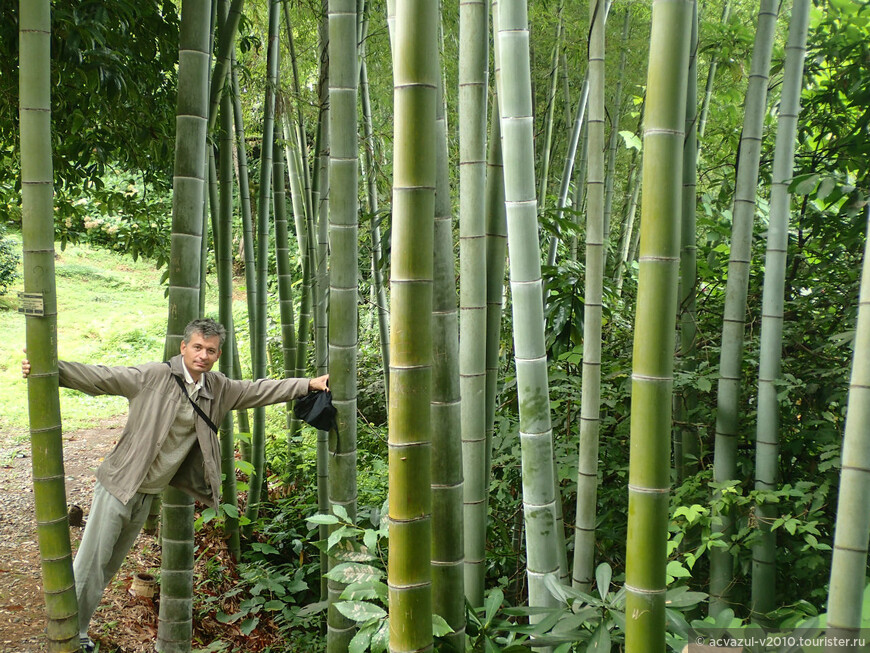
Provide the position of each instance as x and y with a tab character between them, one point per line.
343	277
652	365
37	230
473	69
415	81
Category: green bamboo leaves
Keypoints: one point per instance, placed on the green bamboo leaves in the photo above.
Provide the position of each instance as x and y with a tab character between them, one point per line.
37	209
652	368
415	61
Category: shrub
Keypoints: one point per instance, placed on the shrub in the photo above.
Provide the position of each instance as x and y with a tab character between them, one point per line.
9	259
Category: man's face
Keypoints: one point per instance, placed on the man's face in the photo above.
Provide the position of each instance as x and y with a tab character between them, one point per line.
200	354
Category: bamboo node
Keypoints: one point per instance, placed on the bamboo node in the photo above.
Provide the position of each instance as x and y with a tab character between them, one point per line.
648	490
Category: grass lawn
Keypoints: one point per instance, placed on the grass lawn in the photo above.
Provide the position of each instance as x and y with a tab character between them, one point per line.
111	310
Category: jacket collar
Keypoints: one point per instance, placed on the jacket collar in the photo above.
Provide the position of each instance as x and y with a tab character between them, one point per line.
176	365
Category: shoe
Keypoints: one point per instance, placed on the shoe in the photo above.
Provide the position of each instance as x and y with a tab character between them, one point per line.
87	644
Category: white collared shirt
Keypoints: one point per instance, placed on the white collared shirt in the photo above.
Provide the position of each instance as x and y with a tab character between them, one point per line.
193	387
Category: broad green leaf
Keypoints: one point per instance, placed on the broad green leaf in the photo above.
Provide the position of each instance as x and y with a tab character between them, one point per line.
574	620
245	467
248	625
353	555
677	623
224	618
493	603
440	627
360	611
322	519
677	570
600	641
381	638
370	539
341	512
725	618
313	608
632	142
231	510
354	572
273	605
208	514
361	640
363	591
680	597
603	574
804	185
335	536
825	187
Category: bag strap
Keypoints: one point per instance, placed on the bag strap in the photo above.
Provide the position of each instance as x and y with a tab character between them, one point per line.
199	411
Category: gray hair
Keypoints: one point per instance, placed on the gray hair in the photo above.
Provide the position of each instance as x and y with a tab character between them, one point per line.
207	328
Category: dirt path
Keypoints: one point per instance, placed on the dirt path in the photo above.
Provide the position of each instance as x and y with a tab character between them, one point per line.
123	622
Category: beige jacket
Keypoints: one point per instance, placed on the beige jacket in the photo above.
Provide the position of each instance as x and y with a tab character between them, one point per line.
154	398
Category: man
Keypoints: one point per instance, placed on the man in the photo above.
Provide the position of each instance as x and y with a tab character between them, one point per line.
168	440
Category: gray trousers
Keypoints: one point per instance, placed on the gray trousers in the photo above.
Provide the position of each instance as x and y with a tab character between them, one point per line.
109	533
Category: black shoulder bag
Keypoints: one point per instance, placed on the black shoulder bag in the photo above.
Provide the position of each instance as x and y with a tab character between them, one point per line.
316	409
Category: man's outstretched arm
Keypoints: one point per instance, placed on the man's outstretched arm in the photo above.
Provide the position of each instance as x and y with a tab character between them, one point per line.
94	379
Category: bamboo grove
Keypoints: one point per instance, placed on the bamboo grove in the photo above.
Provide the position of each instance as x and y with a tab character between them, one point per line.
590	282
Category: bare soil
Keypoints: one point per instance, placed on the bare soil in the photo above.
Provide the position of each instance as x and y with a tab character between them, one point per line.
123	622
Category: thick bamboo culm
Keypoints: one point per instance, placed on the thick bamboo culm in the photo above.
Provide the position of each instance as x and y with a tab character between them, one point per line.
655	323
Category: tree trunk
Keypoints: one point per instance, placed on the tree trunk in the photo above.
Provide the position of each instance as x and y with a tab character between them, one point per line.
319	213
547	139
473	68
568	169
653	357
415	70
247	231
613	141
711	76
496	246
370	172
224	258
343	277
285	275
731	357
590	409
448	590
176	608
258	336
849	564
536	435
37	231
767	430
686	449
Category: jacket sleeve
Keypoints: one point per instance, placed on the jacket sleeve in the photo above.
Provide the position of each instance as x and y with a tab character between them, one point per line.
100	379
262	392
